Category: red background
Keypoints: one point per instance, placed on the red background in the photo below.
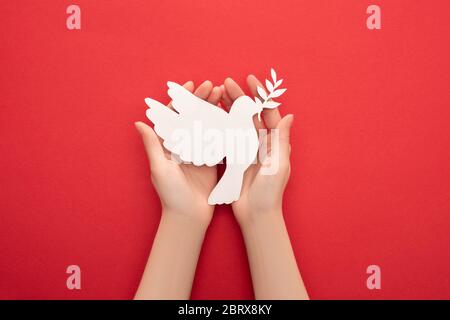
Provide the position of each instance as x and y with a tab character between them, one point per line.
370	179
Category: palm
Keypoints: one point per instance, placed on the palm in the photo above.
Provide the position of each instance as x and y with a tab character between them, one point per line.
193	185
259	190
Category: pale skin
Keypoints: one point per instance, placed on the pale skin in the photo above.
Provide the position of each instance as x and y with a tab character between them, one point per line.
184	189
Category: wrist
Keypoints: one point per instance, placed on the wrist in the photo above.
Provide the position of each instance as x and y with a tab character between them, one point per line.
262	219
186	220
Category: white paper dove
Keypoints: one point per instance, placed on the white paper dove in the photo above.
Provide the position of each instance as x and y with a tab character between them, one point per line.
204	134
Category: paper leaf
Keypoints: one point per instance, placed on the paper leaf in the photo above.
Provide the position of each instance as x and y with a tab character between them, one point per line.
277	93
258	101
278	83
271	104
269	85
262	93
274	75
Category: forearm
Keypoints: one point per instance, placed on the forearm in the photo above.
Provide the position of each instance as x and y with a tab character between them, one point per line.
170	269
273	267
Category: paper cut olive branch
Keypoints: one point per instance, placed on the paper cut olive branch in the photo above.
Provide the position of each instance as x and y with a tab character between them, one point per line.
273	92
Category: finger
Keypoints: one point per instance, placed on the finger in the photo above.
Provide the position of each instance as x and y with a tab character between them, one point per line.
271	116
284	127
234	92
203	91
215	96
225	98
233	89
189	86
153	147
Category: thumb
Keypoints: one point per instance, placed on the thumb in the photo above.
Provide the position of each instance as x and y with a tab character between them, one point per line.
284	127
153	148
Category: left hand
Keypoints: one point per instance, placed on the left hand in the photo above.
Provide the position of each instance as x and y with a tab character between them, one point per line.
182	188
262	194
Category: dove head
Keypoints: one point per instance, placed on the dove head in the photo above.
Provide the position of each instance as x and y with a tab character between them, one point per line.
246	106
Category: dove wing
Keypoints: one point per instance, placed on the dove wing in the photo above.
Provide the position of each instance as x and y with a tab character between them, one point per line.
186	103
178	130
163	118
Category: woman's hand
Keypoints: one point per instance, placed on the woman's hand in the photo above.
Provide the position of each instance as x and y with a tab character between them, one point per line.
262	192
275	274
182	188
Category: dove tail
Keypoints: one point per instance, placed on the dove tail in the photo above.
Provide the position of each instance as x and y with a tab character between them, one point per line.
228	189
